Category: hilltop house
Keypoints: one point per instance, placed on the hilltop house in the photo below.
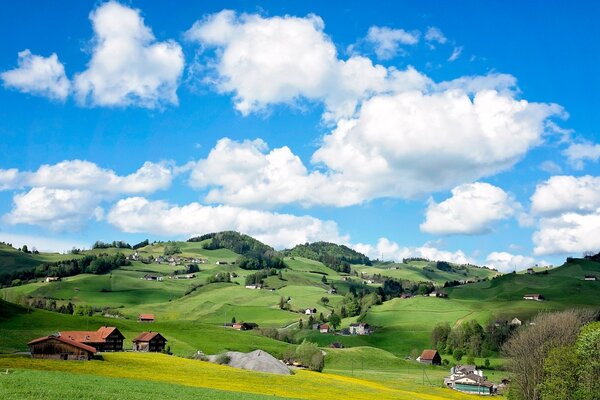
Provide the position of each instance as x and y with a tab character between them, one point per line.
431	357
589	278
149	342
53	279
324	328
537	297
106	338
59	348
151	277
310	311
437	293
360	329
146	318
244	326
332	291
468	379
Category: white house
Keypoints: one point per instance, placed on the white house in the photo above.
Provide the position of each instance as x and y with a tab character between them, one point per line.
310	311
536	297
516	322
360	329
589	278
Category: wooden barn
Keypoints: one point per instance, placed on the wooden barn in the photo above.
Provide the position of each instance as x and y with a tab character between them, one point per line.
149	342
430	357
146	318
58	348
106	338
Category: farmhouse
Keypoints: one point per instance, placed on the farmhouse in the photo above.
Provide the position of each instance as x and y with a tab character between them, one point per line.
146	318
537	297
186	276
324	328
530	271
431	357
438	294
360	329
516	322
149	342
310	311
106	338
255	286
332	291
244	326
468	379
59	348
53	279
221	263
589	278
151	277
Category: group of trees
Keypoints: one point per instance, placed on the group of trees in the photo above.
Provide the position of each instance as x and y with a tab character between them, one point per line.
119	244
141	244
258	277
171	249
470	338
308	354
89	264
557	357
334	256
254	260
189	269
220	277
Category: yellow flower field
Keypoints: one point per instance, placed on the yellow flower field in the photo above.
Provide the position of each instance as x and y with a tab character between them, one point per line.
169	369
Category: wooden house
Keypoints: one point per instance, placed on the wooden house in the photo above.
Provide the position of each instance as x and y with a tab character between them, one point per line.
106	338
431	357
59	348
146	318
149	342
324	328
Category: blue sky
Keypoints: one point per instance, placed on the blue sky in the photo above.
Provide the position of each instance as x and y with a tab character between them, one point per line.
462	131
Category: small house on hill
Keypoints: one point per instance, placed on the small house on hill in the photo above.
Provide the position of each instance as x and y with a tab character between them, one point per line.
468	379
149	342
530	271
106	338
336	345
146	318
431	357
324	328
152	277
53	279
360	329
310	311
244	326
590	278
536	297
59	348
516	322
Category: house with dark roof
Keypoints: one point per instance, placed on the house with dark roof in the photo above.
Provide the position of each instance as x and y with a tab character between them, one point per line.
468	379
149	342
106	338
56	347
431	357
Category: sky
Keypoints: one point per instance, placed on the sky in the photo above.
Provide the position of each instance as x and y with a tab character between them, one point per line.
464	132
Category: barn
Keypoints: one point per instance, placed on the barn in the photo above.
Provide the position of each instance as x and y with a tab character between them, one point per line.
149	342
106	338
430	357
59	348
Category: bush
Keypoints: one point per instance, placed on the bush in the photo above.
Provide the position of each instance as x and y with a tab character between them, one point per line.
223	359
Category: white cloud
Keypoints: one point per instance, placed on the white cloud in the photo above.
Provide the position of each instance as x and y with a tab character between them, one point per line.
393	251
578	153
137	214
455	54
43	76
550	167
386	41
41	243
471	210
507	262
568	233
561	194
265	61
56	209
434	34
128	66
85	175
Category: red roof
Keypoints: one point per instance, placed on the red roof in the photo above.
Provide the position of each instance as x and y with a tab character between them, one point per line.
146	336
324	326
64	340
98	336
146	316
428	354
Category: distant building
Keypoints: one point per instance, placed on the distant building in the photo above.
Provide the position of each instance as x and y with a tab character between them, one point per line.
468	379
536	297
106	338
360	329
332	291
324	328
310	311
336	345
244	326
146	318
431	357
589	278
149	342
53	279
221	262
530	271
151	277
255	286
516	322
59	348
437	293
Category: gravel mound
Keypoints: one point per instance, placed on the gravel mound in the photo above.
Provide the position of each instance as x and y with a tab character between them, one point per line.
258	360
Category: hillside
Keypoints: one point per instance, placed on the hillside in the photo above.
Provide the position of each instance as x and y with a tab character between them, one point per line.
12	259
320	251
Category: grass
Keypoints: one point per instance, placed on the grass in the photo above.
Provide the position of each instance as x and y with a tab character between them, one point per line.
12	259
190	373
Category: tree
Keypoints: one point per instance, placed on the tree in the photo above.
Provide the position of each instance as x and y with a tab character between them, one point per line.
560	374
334	320
458	354
325	300
300	324
324	279
439	335
233	321
310	356
486	363
24	249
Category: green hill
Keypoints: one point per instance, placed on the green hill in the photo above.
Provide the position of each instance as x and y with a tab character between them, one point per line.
320	251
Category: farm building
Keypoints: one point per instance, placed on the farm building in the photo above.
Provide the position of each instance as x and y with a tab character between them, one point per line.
324	328
106	338
516	322
360	329
430	357
149	342
468	379
536	297
530	271
244	326
53	279
146	318
59	348
151	277
589	278
310	311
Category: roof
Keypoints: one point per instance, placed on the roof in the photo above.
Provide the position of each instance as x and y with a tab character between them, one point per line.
98	336
324	326
475	378
146	316
428	354
532	295
147	336
64	340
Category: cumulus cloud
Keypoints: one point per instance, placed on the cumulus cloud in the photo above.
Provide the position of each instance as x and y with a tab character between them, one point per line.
56	209
561	194
264	61
389	250
434	34
128	66
568	233
85	175
42	76
137	214
387	41
471	210
507	262
578	153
